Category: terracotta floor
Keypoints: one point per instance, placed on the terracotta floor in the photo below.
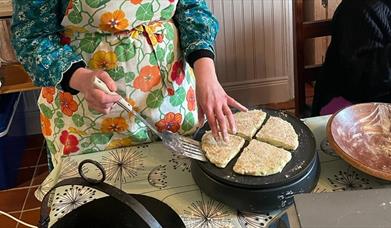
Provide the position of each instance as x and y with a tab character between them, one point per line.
20	201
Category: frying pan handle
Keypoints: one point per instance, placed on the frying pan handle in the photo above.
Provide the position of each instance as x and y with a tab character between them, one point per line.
112	191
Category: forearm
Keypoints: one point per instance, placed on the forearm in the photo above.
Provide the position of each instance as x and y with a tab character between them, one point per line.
36	27
198	29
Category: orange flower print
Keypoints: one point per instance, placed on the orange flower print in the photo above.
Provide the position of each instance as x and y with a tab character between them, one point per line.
113	21
136	1
45	124
102	60
134	105
148	78
117	124
178	74
70	142
171	122
47	93
68	105
191	99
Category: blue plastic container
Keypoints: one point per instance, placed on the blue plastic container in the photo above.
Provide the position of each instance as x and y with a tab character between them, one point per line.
12	138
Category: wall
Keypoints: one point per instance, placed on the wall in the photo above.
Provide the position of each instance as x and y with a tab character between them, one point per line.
254	49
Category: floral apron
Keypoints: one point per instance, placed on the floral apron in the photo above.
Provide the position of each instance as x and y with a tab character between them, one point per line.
137	43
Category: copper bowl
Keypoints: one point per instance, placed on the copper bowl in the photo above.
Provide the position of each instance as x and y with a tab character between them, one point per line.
361	135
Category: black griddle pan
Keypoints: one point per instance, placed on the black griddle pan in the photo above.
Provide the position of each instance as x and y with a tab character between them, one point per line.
296	168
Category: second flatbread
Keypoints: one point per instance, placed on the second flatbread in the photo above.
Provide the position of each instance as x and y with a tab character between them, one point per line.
261	159
220	153
280	133
247	123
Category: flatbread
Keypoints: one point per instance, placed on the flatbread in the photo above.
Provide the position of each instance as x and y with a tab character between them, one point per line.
220	153
261	159
248	123
280	133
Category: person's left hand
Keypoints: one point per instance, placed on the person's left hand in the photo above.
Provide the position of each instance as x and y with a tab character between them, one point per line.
213	101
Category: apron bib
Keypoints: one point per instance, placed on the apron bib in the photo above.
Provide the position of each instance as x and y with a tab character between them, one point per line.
137	43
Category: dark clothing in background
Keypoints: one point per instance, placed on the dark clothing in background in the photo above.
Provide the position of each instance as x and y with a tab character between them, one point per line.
358	60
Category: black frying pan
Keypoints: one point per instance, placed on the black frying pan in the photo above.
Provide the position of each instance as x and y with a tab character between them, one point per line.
296	168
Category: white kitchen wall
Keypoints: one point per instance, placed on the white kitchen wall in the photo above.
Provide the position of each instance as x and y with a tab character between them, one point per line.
254	49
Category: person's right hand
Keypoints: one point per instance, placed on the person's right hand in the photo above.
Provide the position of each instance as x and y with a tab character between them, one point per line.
83	81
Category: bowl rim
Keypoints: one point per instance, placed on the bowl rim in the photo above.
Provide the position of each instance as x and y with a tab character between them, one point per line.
348	158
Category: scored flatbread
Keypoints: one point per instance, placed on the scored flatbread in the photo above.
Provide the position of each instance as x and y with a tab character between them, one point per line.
220	152
247	123
261	159
280	133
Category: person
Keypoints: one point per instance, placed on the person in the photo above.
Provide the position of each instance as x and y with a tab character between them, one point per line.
357	66
158	54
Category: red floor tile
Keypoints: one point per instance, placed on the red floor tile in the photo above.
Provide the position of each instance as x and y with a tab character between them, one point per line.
30	157
40	174
24	177
31	217
31	201
6	222
12	200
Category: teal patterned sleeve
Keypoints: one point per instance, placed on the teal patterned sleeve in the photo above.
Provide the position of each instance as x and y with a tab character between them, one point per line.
197	26
36	27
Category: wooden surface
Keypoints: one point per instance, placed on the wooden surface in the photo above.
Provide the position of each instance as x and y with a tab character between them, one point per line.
361	136
5	8
15	79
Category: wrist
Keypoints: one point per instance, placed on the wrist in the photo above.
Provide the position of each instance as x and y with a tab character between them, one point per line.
204	70
77	78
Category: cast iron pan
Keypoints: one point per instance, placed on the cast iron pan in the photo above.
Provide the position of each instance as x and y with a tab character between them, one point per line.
109	212
296	168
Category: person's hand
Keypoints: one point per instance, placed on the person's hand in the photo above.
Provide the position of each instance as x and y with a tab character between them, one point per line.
83	81
213	101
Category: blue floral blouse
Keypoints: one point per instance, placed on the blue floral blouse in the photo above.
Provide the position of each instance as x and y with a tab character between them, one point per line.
36	28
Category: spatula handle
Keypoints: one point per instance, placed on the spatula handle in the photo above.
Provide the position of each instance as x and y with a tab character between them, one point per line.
102	86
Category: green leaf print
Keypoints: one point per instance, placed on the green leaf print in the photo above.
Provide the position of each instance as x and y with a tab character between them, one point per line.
167	12
96	3
51	146
170	58
46	111
85	144
90	43
89	151
144	12
75	17
58	122
129	77
140	136
57	100
169	31
152	59
188	122
179	97
160	53
59	114
101	138
155	99
78	120
125	52
117	73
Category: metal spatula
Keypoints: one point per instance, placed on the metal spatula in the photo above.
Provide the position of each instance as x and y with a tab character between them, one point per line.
179	144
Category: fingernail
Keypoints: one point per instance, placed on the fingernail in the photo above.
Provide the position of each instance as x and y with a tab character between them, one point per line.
234	130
